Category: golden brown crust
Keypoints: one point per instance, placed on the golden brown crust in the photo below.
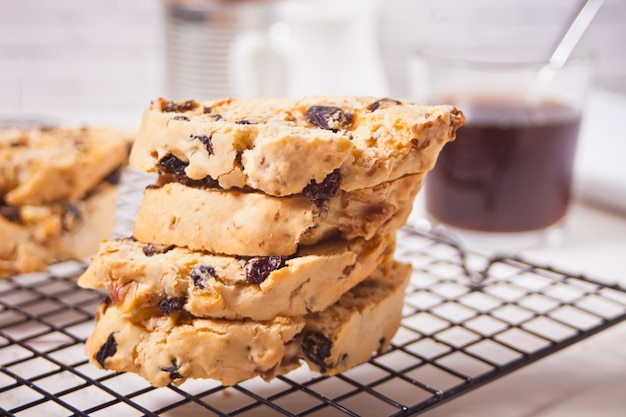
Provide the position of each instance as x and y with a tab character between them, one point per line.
171	348
142	275
278	146
256	224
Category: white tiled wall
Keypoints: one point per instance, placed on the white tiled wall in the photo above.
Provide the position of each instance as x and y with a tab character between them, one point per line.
103	60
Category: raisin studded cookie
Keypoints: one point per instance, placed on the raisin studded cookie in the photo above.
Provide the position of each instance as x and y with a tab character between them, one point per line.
140	275
40	166
169	348
33	236
288	146
256	224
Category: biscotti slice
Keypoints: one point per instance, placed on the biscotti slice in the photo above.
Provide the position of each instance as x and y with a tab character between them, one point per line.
169	348
34	236
281	146
40	166
362	322
206	285
256	224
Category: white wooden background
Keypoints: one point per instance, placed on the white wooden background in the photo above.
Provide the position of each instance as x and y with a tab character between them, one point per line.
101	61
92	61
541	22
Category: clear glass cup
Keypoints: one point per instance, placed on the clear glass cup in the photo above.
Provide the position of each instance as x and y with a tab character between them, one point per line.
505	183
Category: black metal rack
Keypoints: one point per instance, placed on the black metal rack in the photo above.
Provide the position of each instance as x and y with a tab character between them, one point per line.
468	320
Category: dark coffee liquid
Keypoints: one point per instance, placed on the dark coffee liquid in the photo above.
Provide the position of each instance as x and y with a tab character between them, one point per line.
508	170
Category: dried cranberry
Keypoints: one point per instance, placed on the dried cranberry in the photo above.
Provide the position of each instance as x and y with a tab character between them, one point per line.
329	118
170	164
173	370
12	214
381	343
206	141
316	348
181	118
114	176
171	305
106	350
258	269
187	105
70	217
172	106
200	273
326	189
204	182
383	102
151	249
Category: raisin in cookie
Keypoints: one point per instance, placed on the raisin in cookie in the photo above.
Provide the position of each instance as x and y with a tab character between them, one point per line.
284	146
256	224
362	322
169	348
40	166
34	236
140	275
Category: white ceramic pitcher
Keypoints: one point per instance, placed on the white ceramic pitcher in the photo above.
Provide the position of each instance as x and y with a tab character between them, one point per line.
315	47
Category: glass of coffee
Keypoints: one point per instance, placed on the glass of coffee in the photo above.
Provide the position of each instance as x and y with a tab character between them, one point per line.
505	183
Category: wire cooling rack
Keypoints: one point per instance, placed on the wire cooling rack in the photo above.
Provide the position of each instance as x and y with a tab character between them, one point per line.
468	320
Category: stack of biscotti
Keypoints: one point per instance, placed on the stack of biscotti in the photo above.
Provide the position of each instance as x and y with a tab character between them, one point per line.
267	239
57	193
